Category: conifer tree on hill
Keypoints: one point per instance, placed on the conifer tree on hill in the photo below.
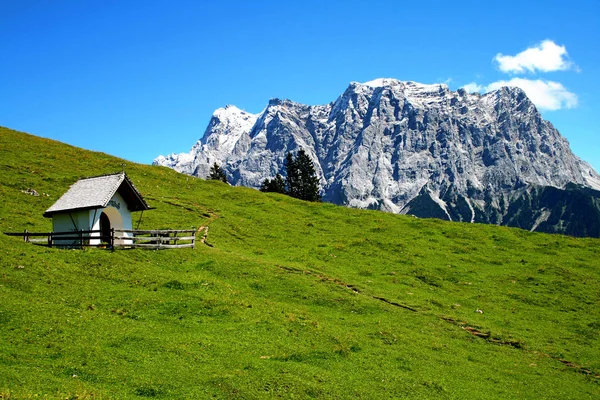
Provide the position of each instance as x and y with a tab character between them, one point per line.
292	179
276	185
217	173
301	180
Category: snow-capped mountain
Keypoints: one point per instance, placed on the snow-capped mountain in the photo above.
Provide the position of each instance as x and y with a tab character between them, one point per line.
402	147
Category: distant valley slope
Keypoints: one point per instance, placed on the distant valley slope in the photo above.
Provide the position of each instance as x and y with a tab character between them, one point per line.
410	148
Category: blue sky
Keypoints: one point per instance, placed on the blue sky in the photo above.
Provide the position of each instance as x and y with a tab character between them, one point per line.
137	79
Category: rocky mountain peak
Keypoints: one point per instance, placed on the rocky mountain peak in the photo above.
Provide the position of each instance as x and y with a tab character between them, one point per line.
398	146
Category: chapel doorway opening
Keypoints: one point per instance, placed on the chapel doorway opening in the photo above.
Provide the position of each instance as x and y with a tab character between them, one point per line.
104	227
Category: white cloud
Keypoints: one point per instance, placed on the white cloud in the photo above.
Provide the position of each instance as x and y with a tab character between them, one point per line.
546	95
473	87
545	57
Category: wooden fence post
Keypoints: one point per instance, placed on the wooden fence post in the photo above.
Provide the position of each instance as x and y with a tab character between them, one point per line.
25	236
50	240
112	238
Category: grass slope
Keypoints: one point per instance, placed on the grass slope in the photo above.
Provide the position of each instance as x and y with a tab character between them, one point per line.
294	300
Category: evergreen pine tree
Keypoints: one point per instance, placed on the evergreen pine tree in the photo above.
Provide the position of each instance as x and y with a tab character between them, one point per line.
217	173
292	179
302	182
309	188
276	185
265	186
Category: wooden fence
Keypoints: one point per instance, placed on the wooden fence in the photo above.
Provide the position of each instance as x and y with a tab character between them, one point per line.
125	238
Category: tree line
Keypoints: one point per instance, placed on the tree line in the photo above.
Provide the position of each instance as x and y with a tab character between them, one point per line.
301	179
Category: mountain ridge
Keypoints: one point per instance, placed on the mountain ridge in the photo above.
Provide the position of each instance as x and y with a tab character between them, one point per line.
385	143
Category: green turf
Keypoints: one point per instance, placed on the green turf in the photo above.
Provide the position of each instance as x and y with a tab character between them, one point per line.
293	299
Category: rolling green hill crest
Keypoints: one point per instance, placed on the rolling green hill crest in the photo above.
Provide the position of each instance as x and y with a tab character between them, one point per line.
285	299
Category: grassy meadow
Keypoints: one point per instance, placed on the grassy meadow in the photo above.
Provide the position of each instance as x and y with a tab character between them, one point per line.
286	299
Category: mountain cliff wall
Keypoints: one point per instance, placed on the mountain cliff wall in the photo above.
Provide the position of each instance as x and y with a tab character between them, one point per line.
405	147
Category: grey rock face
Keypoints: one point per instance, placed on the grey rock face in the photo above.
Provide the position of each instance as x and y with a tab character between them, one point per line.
396	146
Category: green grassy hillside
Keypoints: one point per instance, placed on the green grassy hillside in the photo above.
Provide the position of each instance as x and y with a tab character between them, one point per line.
291	299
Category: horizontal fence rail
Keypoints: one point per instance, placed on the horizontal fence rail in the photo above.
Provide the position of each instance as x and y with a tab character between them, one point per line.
117	238
158	239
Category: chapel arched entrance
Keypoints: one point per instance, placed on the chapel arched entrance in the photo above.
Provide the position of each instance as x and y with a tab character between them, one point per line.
112	220
105	227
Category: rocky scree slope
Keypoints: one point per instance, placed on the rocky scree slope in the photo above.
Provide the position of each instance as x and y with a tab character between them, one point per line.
406	147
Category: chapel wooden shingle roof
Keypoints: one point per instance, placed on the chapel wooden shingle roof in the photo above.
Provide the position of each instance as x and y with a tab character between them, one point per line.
96	192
